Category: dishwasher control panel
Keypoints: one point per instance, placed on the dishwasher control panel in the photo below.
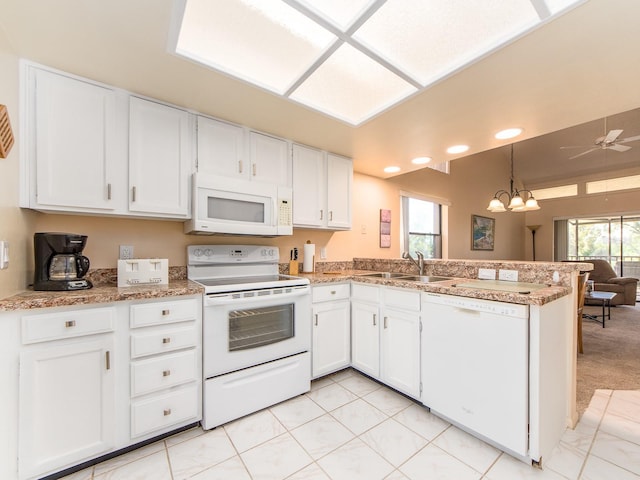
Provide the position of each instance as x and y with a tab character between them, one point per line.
478	304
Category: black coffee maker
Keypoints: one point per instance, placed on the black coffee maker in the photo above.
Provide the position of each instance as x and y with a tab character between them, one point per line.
59	263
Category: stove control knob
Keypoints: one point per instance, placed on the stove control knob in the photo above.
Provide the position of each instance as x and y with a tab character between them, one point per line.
208	252
197	252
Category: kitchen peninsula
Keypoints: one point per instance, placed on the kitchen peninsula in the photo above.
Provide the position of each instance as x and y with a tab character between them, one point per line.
117	316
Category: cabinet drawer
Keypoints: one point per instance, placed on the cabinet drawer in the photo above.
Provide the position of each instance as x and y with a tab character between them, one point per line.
368	293
162	372
405	299
164	410
145	343
324	293
54	326
158	313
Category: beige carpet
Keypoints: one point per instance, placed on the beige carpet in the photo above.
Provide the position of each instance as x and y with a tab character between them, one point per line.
611	358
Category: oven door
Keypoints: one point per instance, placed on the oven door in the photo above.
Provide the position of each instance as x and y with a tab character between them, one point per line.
245	329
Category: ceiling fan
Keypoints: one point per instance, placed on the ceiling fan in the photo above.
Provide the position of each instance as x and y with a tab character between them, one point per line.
608	142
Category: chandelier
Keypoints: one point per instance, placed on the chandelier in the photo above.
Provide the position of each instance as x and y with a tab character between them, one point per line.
518	200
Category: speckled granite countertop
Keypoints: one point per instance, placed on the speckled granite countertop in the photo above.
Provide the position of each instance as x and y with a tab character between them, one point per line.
105	285
538	297
100	293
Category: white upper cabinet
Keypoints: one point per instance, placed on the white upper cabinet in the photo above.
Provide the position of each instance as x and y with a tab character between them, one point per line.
230	150
270	159
71	144
309	187
339	186
221	149
160	159
322	184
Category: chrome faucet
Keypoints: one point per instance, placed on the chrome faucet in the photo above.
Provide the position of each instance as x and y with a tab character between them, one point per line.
419	263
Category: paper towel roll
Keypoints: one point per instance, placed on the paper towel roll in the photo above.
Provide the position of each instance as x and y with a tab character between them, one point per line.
308	257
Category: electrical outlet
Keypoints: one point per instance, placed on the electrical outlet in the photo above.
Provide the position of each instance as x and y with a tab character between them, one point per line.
126	252
509	275
487	273
4	255
323	253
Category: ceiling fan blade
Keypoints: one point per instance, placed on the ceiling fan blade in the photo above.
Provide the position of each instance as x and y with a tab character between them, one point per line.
611	136
574	146
618	148
584	153
629	139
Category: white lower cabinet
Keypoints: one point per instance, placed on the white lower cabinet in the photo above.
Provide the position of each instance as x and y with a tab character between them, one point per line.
67	390
331	329
165	378
87	381
386	335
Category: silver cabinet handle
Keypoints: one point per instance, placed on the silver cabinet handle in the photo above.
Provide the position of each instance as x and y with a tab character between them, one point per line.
133	194
330	215
167	412
166	312
107	359
239	166
321	214
166	373
108	191
374	320
166	340
254	169
316	315
385	321
70	323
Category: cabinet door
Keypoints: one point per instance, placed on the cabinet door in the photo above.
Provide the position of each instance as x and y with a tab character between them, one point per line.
159	159
270	162
221	149
365	345
309	187
67	404
72	132
339	180
331	337
400	338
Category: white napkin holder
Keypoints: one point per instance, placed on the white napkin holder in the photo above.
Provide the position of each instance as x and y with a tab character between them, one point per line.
143	271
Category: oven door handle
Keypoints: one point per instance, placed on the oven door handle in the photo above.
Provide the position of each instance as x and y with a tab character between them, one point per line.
232	298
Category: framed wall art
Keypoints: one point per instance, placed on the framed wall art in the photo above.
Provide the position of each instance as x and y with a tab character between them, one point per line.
483	230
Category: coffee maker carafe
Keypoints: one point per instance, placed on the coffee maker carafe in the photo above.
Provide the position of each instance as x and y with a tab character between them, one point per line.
59	263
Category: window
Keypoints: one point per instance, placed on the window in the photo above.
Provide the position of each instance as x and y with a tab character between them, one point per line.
421	227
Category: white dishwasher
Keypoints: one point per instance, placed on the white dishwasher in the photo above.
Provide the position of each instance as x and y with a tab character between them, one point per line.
475	369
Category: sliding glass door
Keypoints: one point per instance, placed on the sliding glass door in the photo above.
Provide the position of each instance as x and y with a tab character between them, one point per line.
615	239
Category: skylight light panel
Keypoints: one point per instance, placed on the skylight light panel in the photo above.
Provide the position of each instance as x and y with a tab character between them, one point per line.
266	43
429	39
352	87
342	14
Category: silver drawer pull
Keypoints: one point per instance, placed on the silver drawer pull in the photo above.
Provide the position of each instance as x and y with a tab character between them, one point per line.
70	323
166	373
166	340
166	312
374	320
333	292
167	412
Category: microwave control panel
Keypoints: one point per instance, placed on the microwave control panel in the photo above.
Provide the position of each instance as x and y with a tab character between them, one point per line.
285	212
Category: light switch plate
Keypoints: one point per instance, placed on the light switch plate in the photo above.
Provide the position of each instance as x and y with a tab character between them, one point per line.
4	255
509	275
487	273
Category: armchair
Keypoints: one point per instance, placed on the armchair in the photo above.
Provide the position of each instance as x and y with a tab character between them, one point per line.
606	280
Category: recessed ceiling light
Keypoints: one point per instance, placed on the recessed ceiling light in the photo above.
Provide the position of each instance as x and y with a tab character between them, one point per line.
458	149
508	133
421	160
391	169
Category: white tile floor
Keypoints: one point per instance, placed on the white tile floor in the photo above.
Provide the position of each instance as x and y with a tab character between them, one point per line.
349	428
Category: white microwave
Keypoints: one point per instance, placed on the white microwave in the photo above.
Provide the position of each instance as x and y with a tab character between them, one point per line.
239	207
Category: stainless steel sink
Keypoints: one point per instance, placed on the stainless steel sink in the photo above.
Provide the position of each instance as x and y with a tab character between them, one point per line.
382	275
424	278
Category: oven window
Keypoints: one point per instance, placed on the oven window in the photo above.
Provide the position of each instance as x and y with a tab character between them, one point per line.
236	210
257	327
